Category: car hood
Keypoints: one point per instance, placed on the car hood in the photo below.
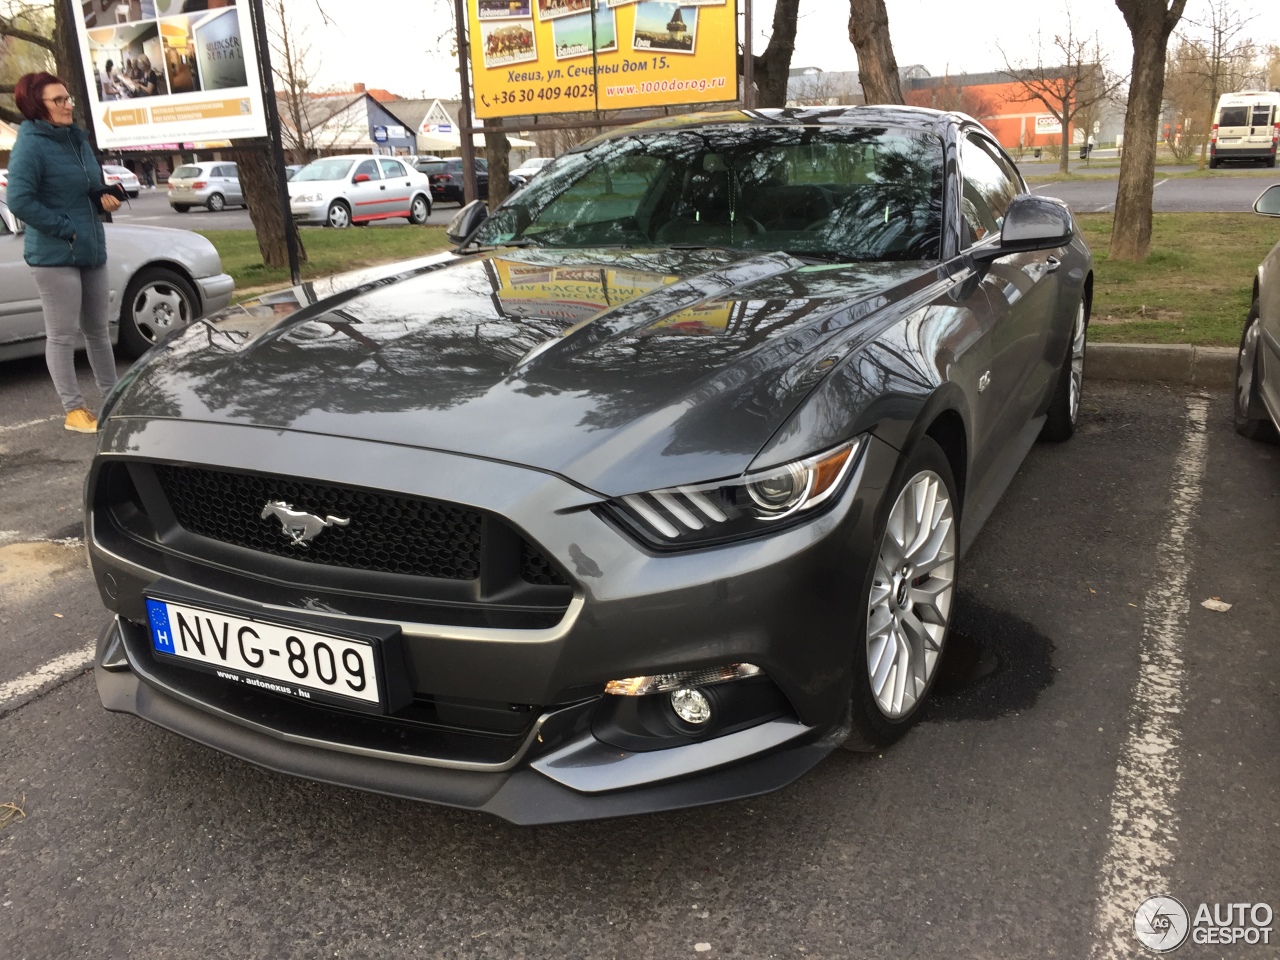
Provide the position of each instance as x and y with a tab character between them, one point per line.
131	246
621	370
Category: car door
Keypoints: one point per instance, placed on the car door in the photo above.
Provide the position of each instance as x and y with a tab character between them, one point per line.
21	316
482	178
397	188
232	176
1269	315
1024	285
366	195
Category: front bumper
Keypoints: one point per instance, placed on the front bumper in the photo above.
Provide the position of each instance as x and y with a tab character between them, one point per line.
313	212
215	292
785	602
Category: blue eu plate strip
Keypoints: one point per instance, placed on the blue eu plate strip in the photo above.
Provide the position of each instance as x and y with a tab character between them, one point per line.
161	635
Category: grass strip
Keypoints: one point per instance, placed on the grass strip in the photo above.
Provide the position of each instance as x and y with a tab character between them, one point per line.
1195	287
328	252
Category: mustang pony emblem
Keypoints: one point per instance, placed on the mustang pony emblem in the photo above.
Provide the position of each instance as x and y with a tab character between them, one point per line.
300	527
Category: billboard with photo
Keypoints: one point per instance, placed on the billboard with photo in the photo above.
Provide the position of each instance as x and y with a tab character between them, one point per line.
563	56
166	70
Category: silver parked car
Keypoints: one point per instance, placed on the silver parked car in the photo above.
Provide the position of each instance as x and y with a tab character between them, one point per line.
114	173
357	188
214	184
1257	398
161	279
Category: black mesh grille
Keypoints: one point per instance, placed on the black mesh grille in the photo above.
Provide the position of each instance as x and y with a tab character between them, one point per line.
387	534
537	569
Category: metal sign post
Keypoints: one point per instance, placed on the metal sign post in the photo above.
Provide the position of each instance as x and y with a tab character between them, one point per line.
263	43
467	145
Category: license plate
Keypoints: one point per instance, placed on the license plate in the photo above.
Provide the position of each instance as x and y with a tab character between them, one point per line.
268	656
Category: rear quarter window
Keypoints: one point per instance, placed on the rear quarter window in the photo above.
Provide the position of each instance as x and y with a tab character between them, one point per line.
1233	117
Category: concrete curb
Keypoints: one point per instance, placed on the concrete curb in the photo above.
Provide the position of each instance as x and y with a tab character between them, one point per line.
1161	363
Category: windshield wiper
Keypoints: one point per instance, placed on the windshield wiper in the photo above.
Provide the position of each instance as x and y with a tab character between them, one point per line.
517	242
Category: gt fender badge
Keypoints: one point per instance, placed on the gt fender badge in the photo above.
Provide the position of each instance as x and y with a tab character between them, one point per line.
984	380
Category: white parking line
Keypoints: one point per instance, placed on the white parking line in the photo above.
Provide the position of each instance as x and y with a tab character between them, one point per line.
55	669
1141	838
1044	186
10	428
1161	183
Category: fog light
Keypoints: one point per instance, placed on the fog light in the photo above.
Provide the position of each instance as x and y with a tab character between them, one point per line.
691	706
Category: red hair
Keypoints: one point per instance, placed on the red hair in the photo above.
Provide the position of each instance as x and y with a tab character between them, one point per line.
28	94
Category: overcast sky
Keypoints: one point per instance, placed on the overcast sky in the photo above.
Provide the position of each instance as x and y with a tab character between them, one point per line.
398	45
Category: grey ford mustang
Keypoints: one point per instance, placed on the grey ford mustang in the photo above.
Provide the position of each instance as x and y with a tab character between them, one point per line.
650	495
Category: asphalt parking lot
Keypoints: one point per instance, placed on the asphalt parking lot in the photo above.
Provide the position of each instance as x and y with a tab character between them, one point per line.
1125	746
151	208
1232	192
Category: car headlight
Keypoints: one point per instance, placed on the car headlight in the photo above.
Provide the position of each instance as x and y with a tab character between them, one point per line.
701	514
308	198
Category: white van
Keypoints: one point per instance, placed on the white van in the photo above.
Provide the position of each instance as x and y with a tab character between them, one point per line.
1246	126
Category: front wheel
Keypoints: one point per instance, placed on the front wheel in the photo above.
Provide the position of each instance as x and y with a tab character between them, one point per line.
339	215
1250	416
216	203
156	301
905	613
419	211
1064	408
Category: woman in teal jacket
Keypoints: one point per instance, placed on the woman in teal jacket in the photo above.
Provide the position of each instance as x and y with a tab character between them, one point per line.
52	179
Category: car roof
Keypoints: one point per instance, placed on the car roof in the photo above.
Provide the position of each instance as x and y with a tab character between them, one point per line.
892	115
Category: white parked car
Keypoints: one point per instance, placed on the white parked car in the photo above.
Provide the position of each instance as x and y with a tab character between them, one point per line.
161	279
111	173
531	167
340	191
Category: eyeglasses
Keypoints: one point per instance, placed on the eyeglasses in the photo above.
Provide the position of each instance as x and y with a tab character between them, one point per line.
62	101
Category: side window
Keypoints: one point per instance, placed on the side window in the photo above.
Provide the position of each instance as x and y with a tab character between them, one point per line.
368	167
391	168
1261	115
988	189
223	172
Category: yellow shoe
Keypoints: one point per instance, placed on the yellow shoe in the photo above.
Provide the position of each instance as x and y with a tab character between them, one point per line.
81	421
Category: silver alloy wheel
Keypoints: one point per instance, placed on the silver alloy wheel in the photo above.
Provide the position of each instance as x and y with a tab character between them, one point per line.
910	602
1246	364
339	216
1078	336
419	210
159	307
216	203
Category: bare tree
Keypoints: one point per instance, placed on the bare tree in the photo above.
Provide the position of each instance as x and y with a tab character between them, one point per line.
773	67
26	45
1070	89
877	66
820	88
294	69
1221	58
1151	23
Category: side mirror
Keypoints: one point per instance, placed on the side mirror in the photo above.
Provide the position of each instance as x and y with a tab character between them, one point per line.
360	178
1031	223
1269	203
466	222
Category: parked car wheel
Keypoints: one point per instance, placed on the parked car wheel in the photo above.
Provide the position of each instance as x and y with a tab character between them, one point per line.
905	613
419	210
339	216
133	194
1250	416
216	202
1064	409
181	207
157	300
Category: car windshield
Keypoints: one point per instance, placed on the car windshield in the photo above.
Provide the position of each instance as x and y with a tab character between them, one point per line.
852	193
331	169
186	172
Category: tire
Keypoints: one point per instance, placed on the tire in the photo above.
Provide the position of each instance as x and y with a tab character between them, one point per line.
1250	416
1213	164
419	210
216	203
904	614
1064	408
339	215
156	301
133	194
181	207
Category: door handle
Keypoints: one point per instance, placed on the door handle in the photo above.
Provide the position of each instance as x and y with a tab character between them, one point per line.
383	187
1052	263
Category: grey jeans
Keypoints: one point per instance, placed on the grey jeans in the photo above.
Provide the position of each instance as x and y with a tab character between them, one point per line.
76	298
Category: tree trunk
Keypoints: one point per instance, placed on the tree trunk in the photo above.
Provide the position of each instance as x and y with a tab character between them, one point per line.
262	194
1064	162
877	66
773	67
497	148
66	58
1150	23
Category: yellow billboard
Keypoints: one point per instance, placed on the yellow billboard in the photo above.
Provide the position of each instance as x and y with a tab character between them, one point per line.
561	56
